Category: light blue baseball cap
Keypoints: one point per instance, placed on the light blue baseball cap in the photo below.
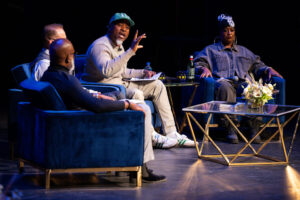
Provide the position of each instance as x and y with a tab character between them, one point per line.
119	16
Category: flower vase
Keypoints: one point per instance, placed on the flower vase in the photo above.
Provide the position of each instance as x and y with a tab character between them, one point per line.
255	105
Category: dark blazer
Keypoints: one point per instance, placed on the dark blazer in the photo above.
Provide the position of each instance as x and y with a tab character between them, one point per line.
74	95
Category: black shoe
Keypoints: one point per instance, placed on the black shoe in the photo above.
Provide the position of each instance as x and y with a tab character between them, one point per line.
147	176
121	174
254	128
232	137
257	140
153	178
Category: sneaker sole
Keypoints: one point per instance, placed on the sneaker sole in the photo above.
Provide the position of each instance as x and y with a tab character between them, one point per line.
155	147
186	146
133	181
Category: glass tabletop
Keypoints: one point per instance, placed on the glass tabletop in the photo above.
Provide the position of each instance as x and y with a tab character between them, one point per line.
223	107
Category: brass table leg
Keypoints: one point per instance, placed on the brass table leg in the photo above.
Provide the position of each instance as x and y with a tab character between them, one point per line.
188	114
183	124
267	141
280	128
249	143
294	135
172	106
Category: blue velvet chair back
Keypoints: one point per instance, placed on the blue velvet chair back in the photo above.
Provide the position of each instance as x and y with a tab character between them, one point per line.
42	95
21	72
80	62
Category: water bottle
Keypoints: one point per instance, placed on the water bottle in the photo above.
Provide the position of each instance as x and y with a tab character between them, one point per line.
148	66
191	70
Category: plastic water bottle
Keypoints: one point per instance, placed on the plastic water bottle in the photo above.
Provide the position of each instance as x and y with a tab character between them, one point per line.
148	66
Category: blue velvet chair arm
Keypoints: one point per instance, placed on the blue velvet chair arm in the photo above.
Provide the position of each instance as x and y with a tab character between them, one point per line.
206	89
103	87
280	85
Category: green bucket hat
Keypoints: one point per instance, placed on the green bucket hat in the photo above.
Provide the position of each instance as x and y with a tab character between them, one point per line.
119	16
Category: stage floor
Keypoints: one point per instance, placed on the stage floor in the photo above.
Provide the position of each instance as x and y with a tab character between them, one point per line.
187	178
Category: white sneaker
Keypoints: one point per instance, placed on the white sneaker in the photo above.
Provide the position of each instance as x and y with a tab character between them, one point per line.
162	142
183	140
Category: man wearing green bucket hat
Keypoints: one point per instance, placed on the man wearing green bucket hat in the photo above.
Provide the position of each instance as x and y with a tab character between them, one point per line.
107	62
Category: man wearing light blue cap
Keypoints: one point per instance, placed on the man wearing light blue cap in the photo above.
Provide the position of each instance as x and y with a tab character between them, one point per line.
107	62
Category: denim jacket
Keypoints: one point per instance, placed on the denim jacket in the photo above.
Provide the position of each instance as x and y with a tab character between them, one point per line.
225	63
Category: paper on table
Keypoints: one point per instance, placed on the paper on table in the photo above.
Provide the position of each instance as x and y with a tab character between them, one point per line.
155	77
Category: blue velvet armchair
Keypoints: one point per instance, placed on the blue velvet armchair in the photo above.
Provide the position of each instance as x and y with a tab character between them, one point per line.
60	141
22	72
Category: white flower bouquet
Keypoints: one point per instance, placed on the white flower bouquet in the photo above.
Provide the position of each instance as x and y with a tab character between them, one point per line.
257	93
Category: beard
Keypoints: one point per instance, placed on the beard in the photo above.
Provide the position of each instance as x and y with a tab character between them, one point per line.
119	42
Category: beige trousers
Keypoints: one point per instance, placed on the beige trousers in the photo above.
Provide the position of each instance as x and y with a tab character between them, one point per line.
156	91
148	149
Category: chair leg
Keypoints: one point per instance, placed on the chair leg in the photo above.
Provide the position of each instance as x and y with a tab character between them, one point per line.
139	177
21	166
47	178
12	150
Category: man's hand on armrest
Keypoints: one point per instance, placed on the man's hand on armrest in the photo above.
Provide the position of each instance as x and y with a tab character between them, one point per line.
133	106
204	72
272	72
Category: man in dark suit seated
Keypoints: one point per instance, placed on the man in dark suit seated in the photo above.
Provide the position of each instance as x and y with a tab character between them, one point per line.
230	64
75	96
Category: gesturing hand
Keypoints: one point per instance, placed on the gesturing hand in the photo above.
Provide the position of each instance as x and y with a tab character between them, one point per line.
148	74
136	40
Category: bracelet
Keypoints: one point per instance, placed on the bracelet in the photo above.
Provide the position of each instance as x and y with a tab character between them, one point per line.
128	104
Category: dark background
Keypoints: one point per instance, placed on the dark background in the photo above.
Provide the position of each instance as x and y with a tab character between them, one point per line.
175	29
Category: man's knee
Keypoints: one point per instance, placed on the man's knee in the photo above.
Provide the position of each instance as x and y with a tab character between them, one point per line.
134	93
225	91
159	86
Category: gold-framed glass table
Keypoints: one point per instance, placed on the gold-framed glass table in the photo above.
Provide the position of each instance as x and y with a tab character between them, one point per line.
268	110
171	84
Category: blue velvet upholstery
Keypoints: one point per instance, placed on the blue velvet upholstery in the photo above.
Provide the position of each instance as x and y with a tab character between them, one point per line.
42	95
55	138
80	62
80	139
21	72
14	96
